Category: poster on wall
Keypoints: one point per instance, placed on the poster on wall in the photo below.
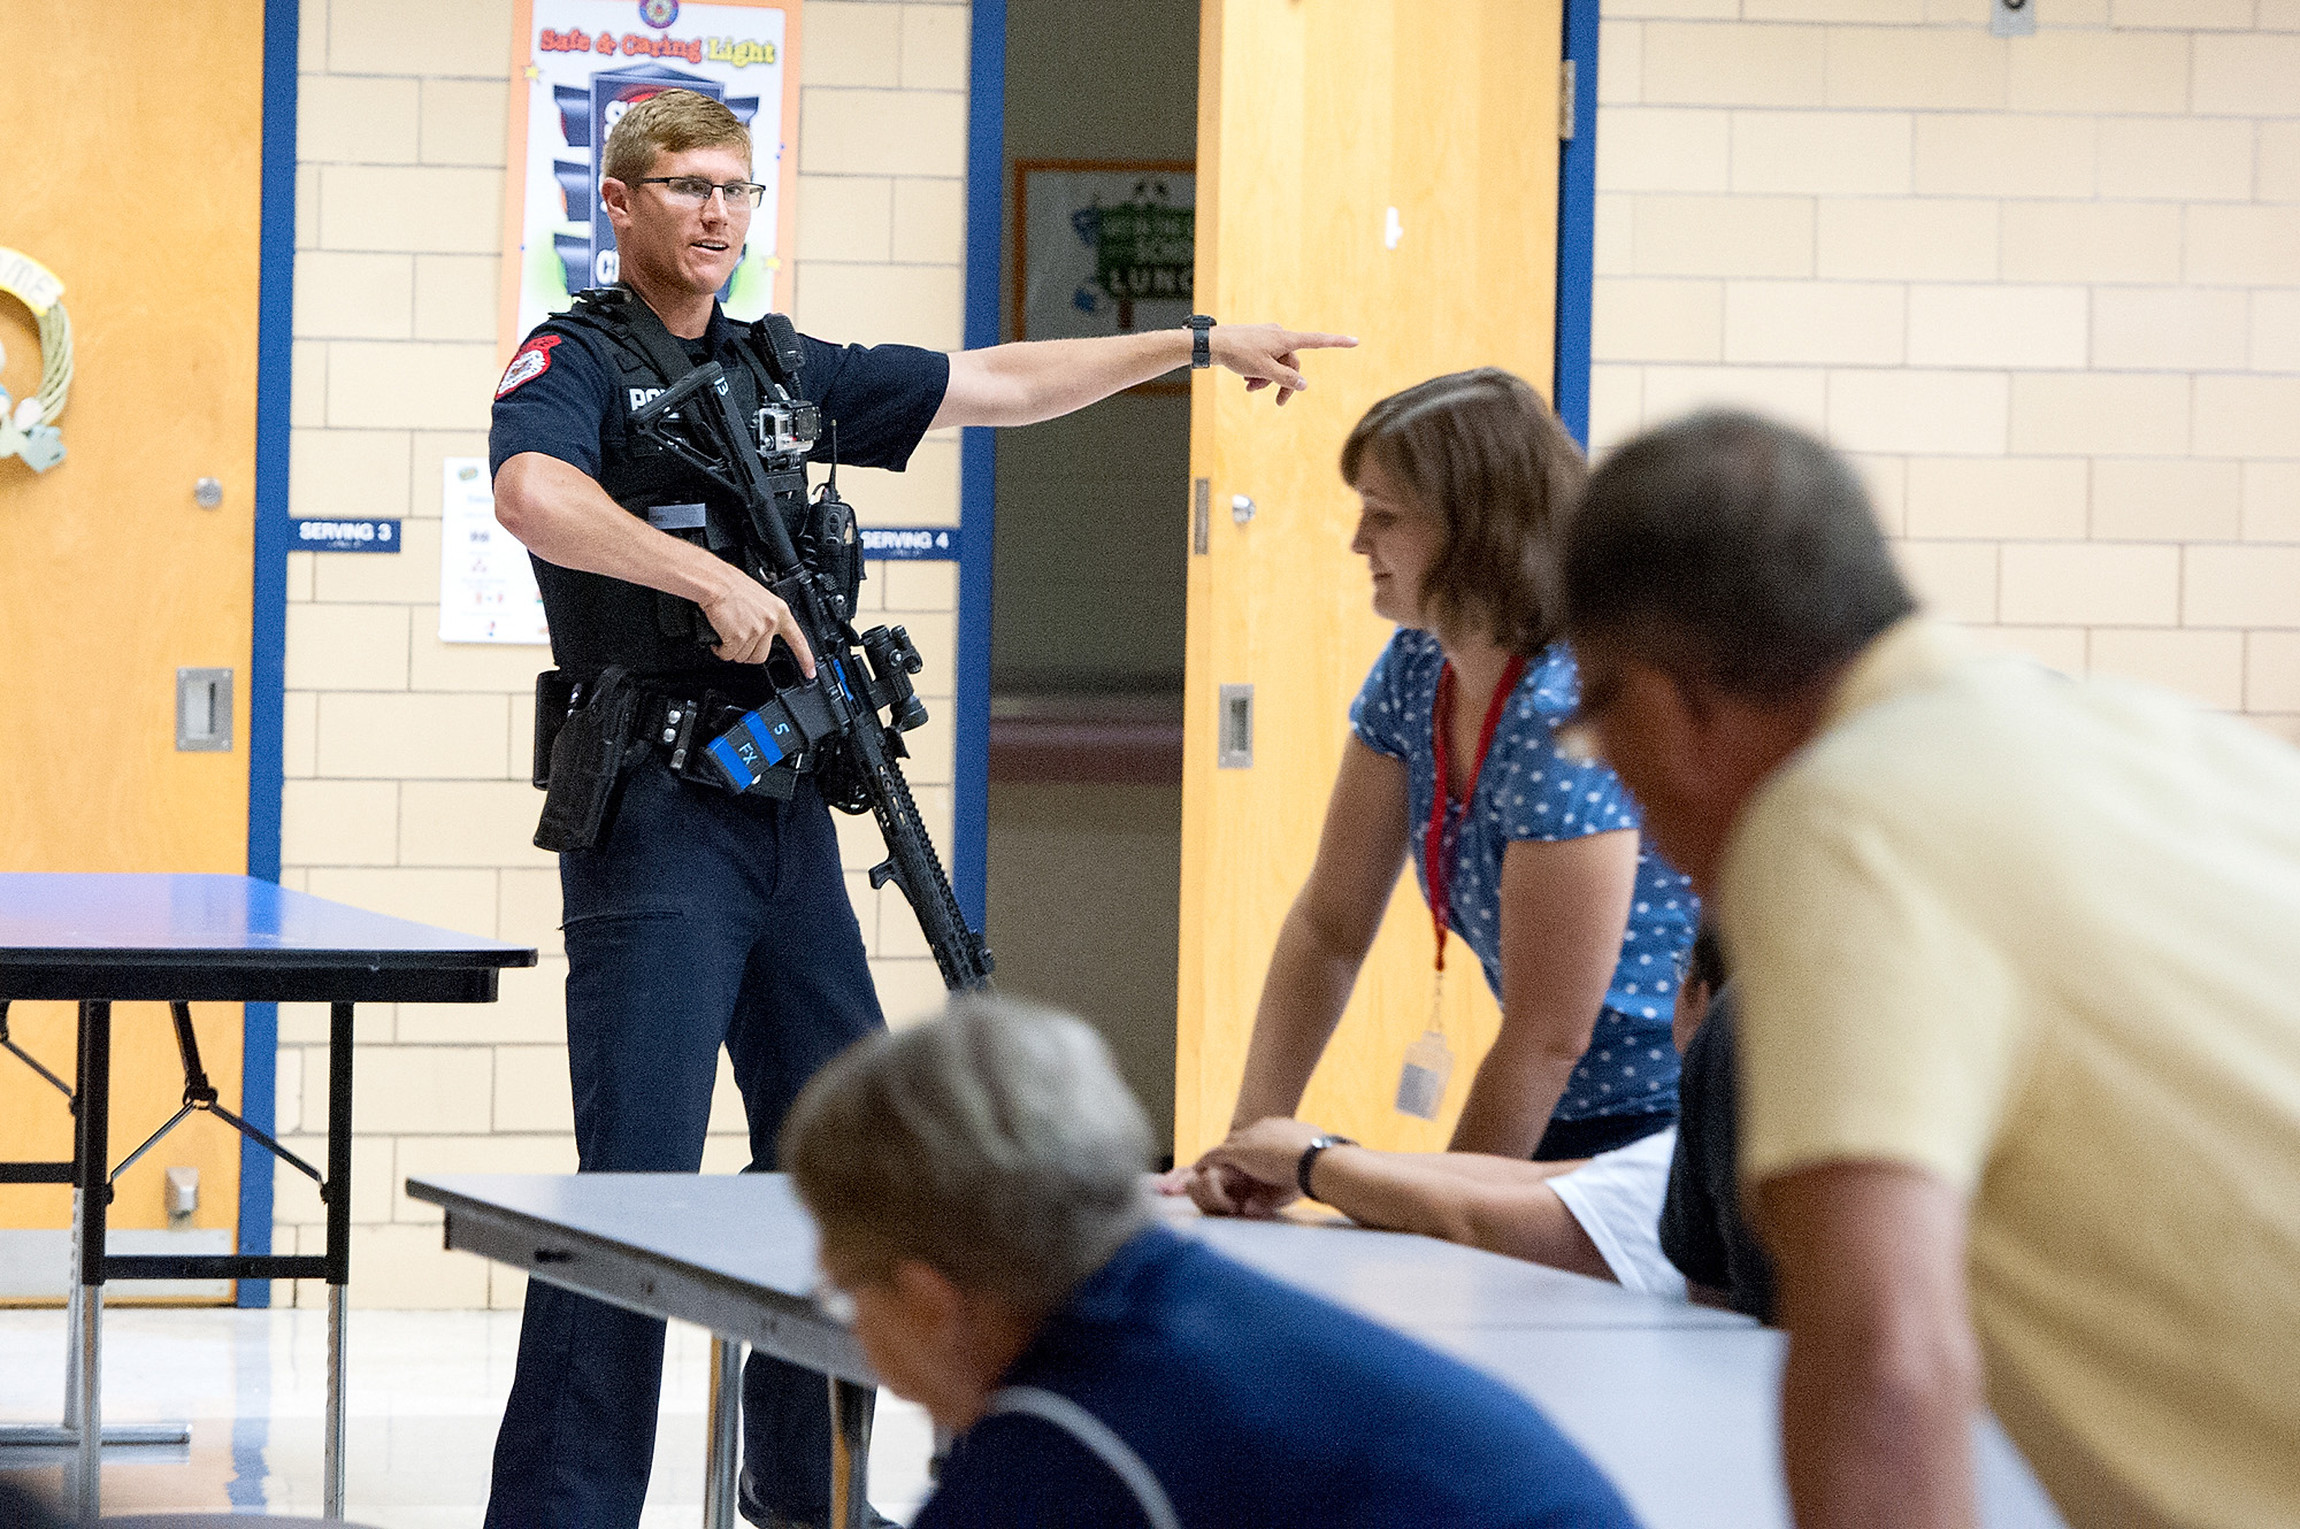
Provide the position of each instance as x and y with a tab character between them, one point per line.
1103	247
487	587
577	66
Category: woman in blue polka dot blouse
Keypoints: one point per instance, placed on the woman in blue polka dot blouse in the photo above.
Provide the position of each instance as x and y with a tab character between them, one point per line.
1463	481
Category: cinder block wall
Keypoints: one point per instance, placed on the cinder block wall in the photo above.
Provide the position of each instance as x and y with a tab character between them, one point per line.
407	758
2047	288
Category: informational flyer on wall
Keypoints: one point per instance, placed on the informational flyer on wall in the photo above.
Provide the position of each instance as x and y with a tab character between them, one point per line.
577	66
486	585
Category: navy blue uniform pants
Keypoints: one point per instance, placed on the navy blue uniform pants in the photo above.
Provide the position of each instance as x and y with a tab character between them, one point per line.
701	920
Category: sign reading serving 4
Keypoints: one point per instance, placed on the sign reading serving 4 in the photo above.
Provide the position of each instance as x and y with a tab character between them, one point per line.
910	543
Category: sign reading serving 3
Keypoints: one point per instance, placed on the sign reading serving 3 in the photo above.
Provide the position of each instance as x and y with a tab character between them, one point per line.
577	66
343	536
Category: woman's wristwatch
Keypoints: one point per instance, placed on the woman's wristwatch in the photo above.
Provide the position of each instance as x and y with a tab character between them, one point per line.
1201	342
1309	1159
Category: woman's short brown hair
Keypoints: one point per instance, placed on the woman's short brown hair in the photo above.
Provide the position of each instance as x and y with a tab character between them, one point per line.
669	122
1483	453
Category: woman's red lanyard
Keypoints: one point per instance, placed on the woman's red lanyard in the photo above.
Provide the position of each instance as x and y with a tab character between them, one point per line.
1429	1061
1434	860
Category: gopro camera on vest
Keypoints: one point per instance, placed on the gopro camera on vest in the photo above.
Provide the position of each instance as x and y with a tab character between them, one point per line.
788	429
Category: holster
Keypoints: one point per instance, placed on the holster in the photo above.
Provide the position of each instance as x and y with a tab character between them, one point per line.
580	763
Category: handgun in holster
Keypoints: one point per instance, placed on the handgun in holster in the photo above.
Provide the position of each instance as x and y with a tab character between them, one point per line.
586	737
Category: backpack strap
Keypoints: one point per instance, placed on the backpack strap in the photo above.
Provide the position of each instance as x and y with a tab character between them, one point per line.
620	314
1089	1430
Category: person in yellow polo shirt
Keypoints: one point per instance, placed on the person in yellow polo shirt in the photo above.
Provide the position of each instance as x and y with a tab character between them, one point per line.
2019	965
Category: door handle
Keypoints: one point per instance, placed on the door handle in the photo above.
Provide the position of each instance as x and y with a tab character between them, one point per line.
204	711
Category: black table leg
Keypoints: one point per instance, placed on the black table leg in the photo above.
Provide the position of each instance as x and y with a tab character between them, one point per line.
338	1243
92	1198
85	1273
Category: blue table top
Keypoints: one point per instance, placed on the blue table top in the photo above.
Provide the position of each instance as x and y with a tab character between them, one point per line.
46	917
228	939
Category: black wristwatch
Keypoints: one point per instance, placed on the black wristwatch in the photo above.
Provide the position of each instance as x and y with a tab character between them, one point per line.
1309	1160
1201	345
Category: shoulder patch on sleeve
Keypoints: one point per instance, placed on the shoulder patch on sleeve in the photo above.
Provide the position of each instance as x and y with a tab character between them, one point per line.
532	361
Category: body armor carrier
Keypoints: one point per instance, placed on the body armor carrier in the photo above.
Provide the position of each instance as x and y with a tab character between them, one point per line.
651	483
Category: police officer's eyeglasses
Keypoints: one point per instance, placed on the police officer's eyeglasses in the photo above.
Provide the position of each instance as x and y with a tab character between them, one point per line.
695	191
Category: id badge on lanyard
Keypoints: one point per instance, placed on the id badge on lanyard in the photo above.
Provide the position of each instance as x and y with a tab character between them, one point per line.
1429	1061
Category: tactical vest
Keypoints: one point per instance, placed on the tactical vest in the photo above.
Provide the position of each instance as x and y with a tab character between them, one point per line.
595	620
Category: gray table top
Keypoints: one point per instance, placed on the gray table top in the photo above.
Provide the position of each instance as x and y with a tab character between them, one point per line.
746	1228
1419	1284
749	1229
1678	1404
1686	1421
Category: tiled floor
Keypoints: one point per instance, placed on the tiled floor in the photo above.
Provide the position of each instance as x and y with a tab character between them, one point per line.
426	1389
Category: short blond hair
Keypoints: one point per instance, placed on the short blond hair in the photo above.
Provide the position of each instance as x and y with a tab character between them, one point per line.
669	122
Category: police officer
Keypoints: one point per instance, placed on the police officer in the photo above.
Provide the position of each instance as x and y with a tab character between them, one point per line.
700	918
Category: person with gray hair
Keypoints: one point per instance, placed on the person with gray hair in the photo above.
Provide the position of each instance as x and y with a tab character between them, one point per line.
979	1182
2019	1001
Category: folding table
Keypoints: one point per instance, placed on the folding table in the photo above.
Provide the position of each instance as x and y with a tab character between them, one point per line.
1678	1404
101	939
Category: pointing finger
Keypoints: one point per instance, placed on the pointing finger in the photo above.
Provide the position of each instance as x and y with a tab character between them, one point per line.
1313	341
798	641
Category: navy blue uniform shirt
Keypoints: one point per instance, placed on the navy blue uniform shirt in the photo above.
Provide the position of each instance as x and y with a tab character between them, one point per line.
881	397
566	395
1260	1407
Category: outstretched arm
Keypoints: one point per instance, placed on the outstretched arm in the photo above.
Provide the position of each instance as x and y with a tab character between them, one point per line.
1564	905
1883	1375
1032	380
1503	1205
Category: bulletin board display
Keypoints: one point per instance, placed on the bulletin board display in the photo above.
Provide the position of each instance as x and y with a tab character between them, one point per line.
1104	247
576	67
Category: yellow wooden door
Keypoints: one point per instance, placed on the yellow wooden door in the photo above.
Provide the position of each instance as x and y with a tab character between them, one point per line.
1385	168
134	156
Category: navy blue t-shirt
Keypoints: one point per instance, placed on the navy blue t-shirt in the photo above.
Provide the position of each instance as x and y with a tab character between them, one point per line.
565	395
1259	1407
1702	1229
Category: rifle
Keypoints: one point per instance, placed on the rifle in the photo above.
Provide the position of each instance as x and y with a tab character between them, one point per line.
833	717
